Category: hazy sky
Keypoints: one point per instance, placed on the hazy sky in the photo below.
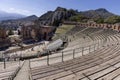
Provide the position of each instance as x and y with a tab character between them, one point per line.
38	7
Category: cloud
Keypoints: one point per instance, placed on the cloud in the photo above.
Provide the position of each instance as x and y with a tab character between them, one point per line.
11	9
20	11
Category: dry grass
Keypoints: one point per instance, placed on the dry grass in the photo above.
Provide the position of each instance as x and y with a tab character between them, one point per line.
64	28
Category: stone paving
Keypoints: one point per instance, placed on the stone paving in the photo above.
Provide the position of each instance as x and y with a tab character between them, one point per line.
24	73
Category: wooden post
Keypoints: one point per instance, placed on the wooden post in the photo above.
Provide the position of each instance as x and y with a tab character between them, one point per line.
4	63
3	55
19	61
29	64
62	57
48	59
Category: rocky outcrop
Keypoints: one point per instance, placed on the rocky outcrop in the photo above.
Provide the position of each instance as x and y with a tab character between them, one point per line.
55	17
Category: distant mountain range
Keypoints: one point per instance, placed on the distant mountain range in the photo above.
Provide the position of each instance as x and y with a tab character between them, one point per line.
51	17
15	23
8	16
101	12
61	14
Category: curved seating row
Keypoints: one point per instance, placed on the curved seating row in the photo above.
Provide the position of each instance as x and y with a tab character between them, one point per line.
76	68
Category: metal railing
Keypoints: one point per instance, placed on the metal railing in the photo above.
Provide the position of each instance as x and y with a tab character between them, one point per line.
72	54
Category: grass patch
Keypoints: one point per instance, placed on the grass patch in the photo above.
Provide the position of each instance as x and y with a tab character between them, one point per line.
63	29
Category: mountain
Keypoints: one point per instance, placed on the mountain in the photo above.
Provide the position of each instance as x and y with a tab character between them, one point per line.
61	14
55	17
29	18
15	23
7	16
101	12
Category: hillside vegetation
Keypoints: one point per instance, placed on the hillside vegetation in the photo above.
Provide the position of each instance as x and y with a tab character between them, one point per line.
62	30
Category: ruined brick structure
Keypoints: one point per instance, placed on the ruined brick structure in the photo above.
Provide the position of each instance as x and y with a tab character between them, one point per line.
4	41
115	27
36	33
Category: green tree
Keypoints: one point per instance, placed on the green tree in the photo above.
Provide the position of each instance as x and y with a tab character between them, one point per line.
99	20
78	18
113	19
10	32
